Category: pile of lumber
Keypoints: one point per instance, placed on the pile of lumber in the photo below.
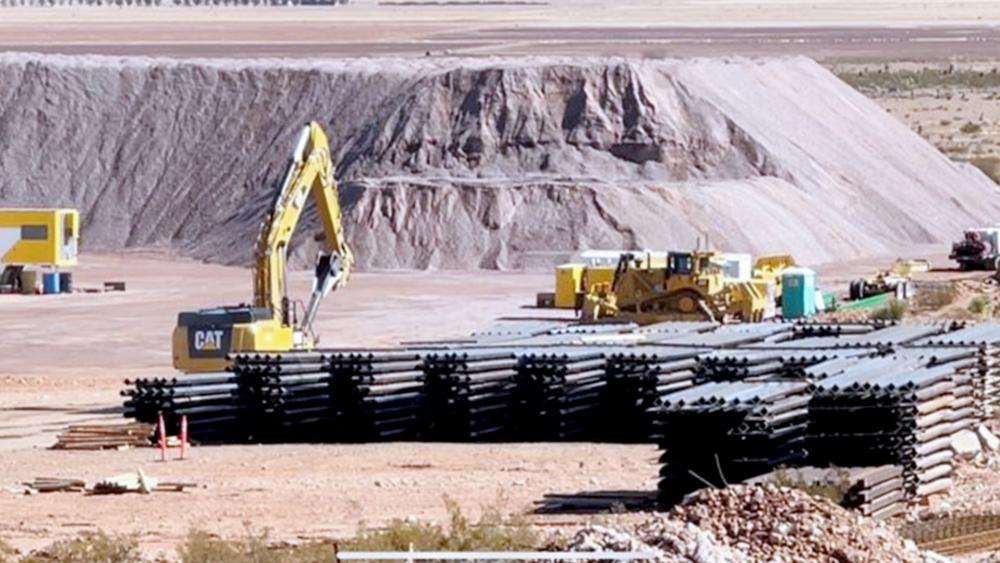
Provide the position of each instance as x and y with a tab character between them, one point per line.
105	436
56	485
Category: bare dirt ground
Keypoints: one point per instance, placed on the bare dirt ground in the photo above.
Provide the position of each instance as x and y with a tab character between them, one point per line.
64	358
936	30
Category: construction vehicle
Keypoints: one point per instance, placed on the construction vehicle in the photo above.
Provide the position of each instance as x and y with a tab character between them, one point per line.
908	267
691	286
768	269
36	238
273	322
896	280
979	249
886	281
575	280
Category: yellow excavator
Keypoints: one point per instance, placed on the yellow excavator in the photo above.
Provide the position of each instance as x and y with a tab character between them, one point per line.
203	339
691	287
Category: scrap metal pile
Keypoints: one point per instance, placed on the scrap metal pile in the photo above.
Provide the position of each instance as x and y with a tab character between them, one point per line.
761	396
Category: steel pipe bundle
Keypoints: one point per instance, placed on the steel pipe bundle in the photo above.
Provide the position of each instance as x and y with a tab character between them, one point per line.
558	395
985	339
810	329
209	400
738	365
470	395
377	396
635	380
878	412
876	491
720	433
284	397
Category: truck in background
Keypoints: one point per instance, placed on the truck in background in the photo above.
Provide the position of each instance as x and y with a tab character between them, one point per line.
979	249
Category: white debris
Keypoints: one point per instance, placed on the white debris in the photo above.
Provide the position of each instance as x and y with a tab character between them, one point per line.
988	439
965	444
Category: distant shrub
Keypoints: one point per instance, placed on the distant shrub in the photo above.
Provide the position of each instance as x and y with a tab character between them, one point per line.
981	305
91	547
937	297
894	310
7	553
493	532
253	547
970	128
904	80
990	165
834	488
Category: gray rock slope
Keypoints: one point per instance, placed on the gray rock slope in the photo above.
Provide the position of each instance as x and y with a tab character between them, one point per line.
480	163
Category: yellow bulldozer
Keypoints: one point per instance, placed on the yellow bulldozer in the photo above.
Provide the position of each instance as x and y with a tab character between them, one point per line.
692	286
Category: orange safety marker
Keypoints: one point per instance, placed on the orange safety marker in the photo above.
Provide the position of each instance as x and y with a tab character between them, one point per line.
162	431
184	436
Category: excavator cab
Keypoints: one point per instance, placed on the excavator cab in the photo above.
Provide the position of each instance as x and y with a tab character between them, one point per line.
203	339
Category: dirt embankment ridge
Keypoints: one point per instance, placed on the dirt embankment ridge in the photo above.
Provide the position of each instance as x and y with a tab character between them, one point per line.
489	163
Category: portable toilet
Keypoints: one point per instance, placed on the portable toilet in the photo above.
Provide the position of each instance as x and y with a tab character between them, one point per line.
798	298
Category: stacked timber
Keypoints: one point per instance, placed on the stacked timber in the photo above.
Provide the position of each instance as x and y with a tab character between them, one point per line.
635	380
558	395
896	411
720	433
105	436
469	395
209	400
377	396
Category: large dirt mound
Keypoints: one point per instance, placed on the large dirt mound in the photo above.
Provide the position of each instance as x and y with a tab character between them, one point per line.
481	163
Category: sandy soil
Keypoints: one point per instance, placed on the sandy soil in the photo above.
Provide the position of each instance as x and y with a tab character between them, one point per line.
69	354
860	31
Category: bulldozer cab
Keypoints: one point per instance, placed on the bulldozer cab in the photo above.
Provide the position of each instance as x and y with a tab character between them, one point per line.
679	263
704	262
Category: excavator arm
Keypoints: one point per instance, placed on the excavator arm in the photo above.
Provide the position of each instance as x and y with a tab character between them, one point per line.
204	340
309	173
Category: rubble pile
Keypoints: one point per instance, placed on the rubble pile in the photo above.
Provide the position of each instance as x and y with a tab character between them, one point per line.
745	523
772	523
671	541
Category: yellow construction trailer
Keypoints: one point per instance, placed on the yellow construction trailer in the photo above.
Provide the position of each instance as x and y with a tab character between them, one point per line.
39	237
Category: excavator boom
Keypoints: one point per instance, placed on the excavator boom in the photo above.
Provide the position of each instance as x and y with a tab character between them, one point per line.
309	172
